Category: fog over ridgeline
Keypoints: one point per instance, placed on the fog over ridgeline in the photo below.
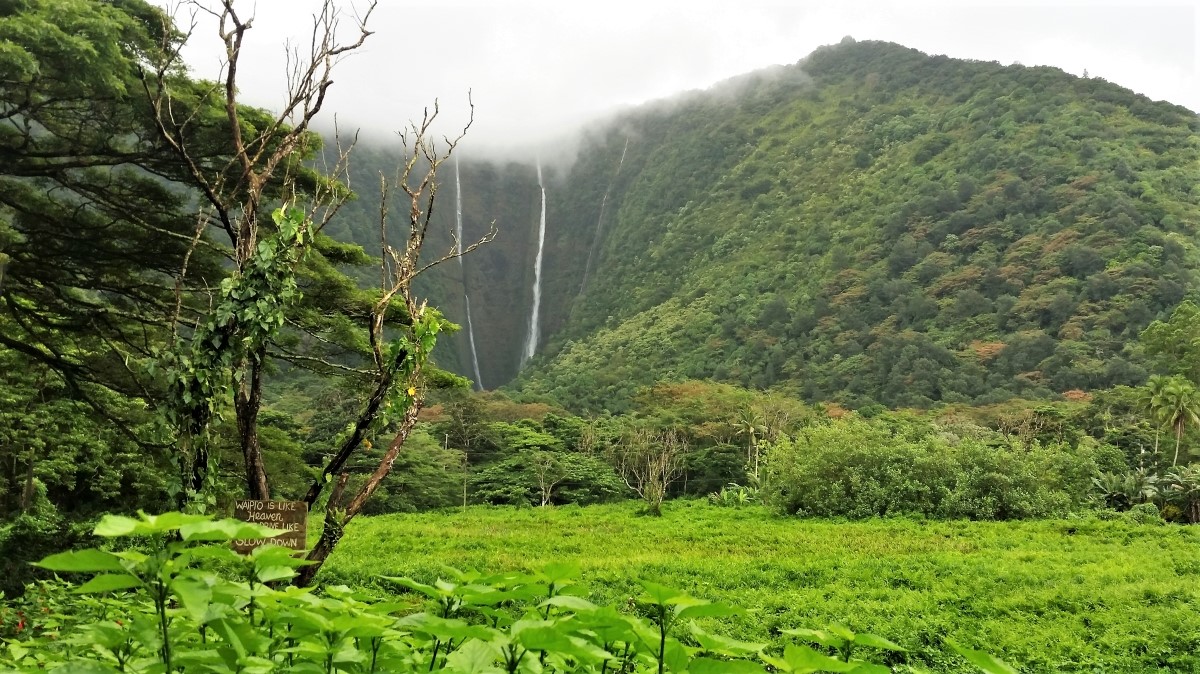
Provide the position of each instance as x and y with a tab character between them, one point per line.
553	139
541	72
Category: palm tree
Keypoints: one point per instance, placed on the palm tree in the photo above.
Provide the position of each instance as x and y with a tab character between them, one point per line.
1184	487
1176	403
749	423
1156	403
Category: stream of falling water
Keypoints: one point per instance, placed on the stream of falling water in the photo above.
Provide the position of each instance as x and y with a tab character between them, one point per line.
531	343
463	272
587	267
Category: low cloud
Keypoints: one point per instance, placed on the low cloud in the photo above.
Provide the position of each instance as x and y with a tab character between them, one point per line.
540	71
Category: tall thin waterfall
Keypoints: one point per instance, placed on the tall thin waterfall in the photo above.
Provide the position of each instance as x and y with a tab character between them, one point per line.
587	267
458	222
531	343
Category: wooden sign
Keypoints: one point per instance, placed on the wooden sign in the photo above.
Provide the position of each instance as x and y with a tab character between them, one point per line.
291	516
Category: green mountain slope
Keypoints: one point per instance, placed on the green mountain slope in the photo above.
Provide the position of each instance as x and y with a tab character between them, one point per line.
901	229
871	225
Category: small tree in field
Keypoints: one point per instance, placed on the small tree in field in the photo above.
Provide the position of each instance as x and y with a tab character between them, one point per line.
550	473
649	463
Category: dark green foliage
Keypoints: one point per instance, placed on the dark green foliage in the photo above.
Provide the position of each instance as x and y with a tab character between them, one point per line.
888	466
425	476
570	478
83	462
900	229
29	536
1171	344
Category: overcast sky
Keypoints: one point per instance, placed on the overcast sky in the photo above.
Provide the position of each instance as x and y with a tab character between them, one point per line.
539	69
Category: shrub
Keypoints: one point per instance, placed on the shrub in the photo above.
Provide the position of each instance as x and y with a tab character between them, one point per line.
858	468
1145	513
518	480
29	537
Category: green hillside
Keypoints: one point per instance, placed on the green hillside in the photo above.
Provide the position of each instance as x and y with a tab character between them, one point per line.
872	225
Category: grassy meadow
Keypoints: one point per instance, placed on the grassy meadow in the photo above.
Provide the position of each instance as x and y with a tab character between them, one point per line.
1049	596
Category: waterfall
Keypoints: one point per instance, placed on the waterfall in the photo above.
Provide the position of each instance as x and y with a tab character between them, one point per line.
587	267
531	343
458	222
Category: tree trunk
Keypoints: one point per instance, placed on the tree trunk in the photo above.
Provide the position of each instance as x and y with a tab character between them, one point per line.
364	421
27	492
247	402
1178	437
331	532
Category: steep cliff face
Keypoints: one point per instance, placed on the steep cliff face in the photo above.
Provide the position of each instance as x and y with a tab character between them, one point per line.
871	225
498	277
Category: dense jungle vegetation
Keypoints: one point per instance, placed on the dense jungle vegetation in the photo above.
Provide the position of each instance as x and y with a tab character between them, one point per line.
874	225
885	361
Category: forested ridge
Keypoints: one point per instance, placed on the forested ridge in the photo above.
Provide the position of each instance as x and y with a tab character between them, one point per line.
871	225
900	229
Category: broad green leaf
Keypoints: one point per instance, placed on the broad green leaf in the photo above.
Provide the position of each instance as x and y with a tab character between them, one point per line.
984	661
473	657
662	595
226	530
427	590
816	637
443	628
715	643
311	620
705	610
108	582
111	526
242	637
557	572
277	555
194	594
676	656
841	631
802	659
569	602
134	556
211	552
586	651
543	637
876	641
273	573
82	561
172	521
105	634
713	666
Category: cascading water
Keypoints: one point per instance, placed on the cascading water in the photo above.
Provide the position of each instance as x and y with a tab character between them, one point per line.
587	267
531	343
463	272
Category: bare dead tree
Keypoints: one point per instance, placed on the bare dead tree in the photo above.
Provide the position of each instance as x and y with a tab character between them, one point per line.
650	463
262	163
399	364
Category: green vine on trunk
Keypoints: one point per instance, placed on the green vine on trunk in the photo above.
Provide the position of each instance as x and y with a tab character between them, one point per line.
251	309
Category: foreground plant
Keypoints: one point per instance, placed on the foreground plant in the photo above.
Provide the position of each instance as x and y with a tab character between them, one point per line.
180	600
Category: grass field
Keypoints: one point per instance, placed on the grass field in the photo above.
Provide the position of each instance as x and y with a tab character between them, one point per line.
1049	596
